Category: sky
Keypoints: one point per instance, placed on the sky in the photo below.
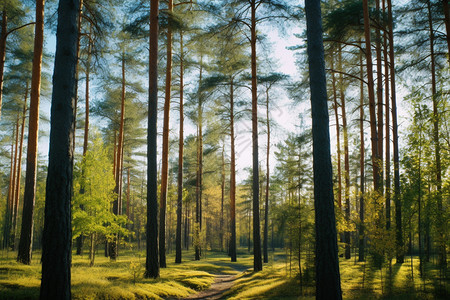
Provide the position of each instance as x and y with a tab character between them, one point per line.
281	112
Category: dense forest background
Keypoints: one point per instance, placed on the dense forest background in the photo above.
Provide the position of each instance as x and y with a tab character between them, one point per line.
222	94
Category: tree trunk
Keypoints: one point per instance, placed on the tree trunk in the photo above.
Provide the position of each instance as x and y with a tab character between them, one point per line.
327	262
257	263
397	201
266	210
9	201
387	127
165	149
15	199
446	9
379	102
186	229
86	120
152	264
113	252
361	250
79	240
232	248
128	194
180	156
373	120
437	148
57	234
15	193
222	199
77	72
338	137
419	204
3	35
92	250
26	235
115	153
198	192
19	164
346	158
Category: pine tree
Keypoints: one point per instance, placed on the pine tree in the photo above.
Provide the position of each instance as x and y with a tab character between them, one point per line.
327	264
57	235
26	236
152	263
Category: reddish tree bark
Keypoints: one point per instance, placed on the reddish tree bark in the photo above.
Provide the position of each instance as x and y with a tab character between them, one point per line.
232	246
180	157
165	149
361	246
26	236
372	105
257	262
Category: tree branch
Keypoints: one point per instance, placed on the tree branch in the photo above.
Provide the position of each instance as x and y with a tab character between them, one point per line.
347	74
17	28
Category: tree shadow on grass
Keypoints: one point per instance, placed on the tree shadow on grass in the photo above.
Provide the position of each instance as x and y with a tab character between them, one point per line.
12	291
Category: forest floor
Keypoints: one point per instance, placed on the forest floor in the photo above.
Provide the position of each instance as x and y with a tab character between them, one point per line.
222	282
215	277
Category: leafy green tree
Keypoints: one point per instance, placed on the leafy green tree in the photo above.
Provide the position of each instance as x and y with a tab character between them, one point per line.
94	26
95	174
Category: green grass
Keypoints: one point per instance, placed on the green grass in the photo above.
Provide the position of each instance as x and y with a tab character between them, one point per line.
273	282
360	280
123	279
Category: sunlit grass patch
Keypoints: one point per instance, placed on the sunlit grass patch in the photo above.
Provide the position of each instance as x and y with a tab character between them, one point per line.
361	280
123	279
120	279
270	283
263	287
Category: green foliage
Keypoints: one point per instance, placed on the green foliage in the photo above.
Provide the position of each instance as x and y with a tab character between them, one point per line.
94	184
345	21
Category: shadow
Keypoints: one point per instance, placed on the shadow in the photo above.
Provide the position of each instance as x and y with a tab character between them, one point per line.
16	292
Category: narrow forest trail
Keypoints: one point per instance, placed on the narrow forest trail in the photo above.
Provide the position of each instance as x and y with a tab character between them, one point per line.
222	282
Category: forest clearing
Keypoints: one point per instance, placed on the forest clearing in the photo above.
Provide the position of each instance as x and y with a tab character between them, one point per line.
224	149
194	279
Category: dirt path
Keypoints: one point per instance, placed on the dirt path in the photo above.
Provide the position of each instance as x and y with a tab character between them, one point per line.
222	283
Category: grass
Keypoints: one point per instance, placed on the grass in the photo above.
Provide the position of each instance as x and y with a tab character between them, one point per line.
273	282
360	280
123	279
